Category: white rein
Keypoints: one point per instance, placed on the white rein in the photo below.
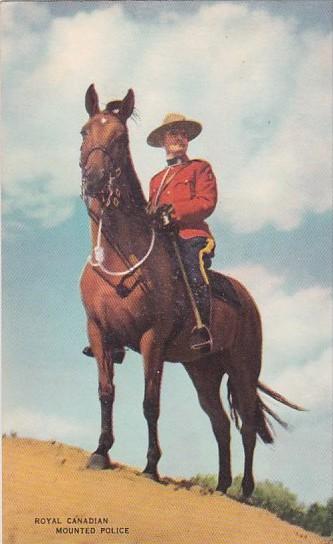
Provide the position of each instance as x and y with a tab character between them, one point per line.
99	254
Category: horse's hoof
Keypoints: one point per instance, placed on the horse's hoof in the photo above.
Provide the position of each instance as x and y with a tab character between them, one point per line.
221	490
98	462
223	487
247	500
151	476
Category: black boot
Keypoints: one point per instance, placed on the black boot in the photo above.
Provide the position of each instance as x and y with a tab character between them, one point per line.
201	339
87	351
202	299
118	354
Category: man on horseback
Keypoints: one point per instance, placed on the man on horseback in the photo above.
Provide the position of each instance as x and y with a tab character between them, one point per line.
185	190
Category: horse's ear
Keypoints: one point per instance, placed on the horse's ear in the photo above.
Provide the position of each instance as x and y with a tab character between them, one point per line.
127	106
91	101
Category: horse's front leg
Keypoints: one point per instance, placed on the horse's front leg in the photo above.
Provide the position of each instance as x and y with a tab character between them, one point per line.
103	354
153	368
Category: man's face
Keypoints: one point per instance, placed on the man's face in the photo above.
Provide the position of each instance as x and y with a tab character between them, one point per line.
175	142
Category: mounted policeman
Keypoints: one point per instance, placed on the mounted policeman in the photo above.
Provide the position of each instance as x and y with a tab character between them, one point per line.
181	197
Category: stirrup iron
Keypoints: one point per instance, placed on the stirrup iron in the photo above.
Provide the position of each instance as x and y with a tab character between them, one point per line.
201	339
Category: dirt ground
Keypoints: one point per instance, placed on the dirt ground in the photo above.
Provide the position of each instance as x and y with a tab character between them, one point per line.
49	497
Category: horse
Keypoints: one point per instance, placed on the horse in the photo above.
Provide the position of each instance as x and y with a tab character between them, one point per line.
133	299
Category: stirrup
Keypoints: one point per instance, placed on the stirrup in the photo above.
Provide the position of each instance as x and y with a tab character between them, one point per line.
201	339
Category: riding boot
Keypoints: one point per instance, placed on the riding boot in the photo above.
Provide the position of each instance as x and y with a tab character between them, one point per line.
87	351
202	299
192	256
118	354
201	339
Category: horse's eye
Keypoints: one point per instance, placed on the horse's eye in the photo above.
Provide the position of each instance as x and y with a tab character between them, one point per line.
84	133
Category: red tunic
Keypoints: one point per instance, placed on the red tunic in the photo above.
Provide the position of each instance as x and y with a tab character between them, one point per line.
191	188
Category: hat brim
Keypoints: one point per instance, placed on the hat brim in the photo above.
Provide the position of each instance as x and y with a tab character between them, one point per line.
192	129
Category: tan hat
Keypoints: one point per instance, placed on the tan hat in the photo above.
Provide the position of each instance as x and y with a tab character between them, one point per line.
192	128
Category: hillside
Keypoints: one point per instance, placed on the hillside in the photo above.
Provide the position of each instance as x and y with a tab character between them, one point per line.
49	497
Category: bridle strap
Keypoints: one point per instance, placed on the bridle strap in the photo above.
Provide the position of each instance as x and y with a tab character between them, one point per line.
105	149
98	148
114	173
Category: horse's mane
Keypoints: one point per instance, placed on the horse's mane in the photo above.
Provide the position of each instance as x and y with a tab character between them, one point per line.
136	188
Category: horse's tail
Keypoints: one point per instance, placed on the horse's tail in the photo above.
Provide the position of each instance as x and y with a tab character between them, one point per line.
268	391
264	427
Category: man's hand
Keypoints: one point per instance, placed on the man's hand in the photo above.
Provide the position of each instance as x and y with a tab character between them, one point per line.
163	219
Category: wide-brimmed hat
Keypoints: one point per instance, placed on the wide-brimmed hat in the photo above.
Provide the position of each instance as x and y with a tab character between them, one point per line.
192	128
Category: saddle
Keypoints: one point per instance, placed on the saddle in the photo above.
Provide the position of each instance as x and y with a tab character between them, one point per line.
220	288
223	289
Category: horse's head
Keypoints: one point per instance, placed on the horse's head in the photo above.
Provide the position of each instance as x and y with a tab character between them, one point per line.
104	149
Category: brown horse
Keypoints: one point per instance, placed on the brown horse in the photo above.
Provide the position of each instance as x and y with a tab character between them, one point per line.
133	298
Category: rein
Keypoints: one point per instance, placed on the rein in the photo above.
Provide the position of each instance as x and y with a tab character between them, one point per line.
99	254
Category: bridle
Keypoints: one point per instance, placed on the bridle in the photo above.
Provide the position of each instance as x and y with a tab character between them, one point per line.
109	194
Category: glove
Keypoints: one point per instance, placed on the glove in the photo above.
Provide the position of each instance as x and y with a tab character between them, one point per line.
164	220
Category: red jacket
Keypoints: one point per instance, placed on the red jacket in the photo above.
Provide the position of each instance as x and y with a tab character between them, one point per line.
191	188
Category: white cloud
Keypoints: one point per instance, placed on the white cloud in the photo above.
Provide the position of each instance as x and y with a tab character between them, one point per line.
312	386
260	85
297	329
22	26
26	422
290	174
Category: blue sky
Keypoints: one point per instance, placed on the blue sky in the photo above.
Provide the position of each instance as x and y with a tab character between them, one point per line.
257	75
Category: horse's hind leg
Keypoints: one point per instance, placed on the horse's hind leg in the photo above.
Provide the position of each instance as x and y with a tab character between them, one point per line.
206	375
244	400
249	435
100	459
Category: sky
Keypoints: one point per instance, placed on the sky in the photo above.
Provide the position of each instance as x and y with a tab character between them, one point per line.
258	76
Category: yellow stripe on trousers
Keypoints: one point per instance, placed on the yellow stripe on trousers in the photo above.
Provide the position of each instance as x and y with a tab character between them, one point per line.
204	251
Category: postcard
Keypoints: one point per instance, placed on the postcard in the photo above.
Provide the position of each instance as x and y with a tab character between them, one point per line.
166	264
